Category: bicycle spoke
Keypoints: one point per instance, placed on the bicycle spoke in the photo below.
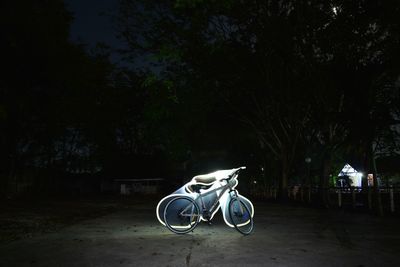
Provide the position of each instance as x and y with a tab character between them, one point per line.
240	216
181	215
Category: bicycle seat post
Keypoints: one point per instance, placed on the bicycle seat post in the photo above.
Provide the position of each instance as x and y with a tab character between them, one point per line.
204	210
203	206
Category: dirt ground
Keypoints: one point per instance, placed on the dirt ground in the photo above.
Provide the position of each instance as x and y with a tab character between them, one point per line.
284	235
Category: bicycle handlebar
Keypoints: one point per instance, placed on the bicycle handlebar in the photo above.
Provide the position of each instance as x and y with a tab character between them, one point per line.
233	173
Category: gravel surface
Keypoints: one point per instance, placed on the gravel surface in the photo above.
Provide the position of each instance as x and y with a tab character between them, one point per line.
283	236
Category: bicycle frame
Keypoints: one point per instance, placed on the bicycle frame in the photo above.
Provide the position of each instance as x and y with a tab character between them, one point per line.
215	205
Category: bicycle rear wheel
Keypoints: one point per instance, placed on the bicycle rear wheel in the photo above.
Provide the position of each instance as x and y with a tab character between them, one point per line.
240	216
181	215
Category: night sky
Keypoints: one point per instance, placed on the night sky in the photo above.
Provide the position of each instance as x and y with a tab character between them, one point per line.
92	23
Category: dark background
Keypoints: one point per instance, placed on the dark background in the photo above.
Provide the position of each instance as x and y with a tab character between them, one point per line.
93	91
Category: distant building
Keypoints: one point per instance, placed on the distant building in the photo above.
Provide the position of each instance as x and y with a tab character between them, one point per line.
348	176
138	186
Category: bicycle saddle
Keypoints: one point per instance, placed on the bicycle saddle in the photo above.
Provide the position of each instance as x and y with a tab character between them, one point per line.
205	178
195	188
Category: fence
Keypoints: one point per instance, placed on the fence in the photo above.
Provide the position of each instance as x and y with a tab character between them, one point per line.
341	197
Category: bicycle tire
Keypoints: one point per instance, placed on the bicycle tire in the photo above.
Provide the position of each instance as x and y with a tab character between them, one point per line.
176	221
241	216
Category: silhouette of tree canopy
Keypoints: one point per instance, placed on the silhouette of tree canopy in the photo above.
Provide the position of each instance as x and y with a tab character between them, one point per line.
319	74
65	110
273	82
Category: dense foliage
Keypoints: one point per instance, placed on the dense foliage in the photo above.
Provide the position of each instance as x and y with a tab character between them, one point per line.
262	83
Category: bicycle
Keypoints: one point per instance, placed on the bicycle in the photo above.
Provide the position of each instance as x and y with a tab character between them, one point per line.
183	212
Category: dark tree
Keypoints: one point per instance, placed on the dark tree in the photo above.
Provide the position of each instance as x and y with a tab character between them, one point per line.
294	71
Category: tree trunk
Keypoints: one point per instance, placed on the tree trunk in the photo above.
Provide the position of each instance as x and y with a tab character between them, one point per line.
324	181
377	192
284	178
10	183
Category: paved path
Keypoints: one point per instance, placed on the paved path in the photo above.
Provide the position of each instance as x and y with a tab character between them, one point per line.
283	236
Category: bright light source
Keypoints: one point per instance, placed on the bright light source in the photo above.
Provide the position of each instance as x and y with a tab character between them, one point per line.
336	10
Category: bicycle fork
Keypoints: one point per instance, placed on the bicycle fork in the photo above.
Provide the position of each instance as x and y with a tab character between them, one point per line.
237	198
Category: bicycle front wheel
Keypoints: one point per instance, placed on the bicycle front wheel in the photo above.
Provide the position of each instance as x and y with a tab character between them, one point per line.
181	215
240	216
